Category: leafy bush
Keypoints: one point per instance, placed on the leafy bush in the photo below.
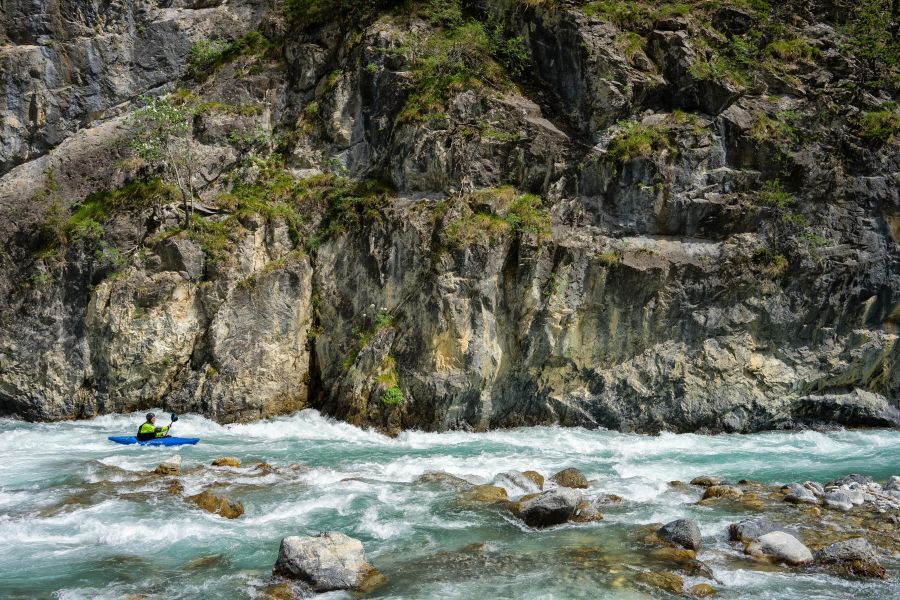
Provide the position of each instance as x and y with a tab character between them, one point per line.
635	140
881	126
393	396
208	55
874	44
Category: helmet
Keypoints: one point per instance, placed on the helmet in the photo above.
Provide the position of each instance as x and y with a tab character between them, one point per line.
150	416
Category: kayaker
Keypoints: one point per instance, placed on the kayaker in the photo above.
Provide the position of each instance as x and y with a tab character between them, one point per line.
149	430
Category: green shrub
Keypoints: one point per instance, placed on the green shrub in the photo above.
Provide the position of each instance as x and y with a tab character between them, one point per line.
393	396
794	50
881	126
635	140
206	56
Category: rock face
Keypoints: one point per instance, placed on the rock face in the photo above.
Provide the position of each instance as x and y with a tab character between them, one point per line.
327	562
552	507
676	249
683	532
779	546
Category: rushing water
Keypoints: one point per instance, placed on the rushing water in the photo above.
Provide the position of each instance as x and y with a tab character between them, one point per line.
72	526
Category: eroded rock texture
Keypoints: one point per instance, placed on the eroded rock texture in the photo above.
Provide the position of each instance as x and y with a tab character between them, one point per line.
623	225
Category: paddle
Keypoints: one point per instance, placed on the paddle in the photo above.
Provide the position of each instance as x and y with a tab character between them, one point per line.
173	417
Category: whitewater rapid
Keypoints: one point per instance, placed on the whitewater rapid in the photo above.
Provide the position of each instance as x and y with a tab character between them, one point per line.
77	520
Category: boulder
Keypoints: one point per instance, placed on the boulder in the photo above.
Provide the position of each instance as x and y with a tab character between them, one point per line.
702	590
855	557
588	511
226	461
516	483
748	530
708	481
218	503
838	500
815	487
570	478
485	494
683	532
535	477
171	466
664	580
552	507
856	496
797	494
443	478
328	562
779	546
848	479
722	491
893	484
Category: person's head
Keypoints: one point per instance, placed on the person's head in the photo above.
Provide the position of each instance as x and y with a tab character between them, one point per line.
151	418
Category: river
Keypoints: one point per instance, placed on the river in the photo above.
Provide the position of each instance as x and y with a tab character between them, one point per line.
79	518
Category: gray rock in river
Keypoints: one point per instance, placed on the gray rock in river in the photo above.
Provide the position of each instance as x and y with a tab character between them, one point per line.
328	561
797	494
855	556
815	487
848	479
516	483
683	532
838	500
552	507
893	484
779	546
748	530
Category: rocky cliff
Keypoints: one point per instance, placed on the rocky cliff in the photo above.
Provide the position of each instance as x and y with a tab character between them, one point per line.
645	216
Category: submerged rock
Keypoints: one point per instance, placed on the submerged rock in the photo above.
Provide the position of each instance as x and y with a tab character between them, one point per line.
516	483
218	503
750	529
570	478
683	532
664	580
552	507
328	562
702	590
854	556
779	546
722	491
226	461
442	477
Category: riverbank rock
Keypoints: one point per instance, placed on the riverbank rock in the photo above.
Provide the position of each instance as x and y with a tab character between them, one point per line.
329	561
893	484
850	479
838	500
516	483
815	487
218	503
171	466
552	507
852	557
683	532
797	494
226	461
570	478
779	546
722	491
750	529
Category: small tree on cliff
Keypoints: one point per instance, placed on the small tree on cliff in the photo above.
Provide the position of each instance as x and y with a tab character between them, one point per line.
163	139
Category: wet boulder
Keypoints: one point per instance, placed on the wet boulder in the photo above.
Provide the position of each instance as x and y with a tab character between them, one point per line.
797	494
588	511
516	483
536	478
442	478
327	562
485	494
552	507
226	461
748	530
702	590
730	492
683	532
218	504
708	481
779	546
570	478
853	557
663	580
170	466
837	500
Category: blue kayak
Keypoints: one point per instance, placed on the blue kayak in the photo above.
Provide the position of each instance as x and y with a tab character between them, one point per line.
164	441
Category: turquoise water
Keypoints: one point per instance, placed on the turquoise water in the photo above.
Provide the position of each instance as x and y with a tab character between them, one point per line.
79	518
